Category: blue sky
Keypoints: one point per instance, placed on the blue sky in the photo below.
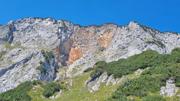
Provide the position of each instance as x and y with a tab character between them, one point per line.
163	15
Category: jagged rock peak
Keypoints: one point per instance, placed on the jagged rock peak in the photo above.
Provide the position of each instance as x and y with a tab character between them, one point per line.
133	25
33	20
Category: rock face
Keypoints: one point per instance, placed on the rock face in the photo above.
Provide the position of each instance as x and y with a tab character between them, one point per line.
170	89
93	84
105	39
74	47
74	54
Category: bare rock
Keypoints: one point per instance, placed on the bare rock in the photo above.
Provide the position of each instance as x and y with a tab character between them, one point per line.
170	89
93	84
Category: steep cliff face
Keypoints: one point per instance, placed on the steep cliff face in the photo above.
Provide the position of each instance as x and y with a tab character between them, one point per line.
77	48
74	54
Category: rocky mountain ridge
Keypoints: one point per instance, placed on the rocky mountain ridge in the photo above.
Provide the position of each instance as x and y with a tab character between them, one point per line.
35	48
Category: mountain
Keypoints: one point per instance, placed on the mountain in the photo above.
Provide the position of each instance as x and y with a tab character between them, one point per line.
39	48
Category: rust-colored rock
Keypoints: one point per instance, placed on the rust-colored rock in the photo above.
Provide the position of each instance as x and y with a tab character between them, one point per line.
57	53
105	39
75	53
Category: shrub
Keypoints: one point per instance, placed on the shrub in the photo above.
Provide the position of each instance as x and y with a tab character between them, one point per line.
50	89
43	64
127	66
141	86
162	67
99	69
18	94
118	96
41	68
178	81
47	55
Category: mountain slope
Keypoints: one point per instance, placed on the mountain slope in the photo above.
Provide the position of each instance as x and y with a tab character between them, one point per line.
35	48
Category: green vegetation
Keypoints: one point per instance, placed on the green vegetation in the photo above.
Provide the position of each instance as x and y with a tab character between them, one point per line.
41	68
51	88
15	45
18	94
2	53
153	98
77	92
143	88
127	66
178	81
21	93
48	55
8	45
161	67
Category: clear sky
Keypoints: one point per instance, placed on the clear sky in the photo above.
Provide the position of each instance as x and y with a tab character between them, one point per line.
163	15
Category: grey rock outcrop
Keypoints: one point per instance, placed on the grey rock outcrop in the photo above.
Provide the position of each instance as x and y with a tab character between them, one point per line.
6	33
22	59
93	84
170	89
74	47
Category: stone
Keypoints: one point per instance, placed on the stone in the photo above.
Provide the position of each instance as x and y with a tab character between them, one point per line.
93	85
170	89
111	80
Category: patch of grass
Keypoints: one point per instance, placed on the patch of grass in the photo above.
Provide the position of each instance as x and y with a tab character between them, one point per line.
78	91
153	98
10	46
36	94
7	45
2	54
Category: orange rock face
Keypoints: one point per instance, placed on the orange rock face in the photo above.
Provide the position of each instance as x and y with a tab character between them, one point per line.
105	39
75	53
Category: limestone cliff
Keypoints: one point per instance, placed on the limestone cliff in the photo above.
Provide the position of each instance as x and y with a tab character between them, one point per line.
66	45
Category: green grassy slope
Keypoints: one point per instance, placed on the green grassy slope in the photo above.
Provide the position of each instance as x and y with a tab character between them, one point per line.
78	92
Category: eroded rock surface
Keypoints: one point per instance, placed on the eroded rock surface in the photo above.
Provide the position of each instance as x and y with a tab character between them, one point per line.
170	89
93	84
74	47
74	54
